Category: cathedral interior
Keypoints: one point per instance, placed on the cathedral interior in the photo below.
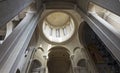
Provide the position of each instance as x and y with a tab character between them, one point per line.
59	36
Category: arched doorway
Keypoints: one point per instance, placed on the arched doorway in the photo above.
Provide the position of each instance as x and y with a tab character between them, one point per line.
59	60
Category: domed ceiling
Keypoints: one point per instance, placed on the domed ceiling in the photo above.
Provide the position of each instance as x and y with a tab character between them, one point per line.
58	19
58	27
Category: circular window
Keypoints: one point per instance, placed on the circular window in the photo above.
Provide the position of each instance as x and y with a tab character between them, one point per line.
58	27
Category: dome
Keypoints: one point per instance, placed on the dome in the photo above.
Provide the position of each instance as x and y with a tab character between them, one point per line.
58	27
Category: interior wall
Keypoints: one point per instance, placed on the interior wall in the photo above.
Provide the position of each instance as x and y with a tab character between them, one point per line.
9	9
71	44
103	59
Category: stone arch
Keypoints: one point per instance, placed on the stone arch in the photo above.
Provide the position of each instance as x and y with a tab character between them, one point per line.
41	49
76	48
59	48
58	60
83	26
